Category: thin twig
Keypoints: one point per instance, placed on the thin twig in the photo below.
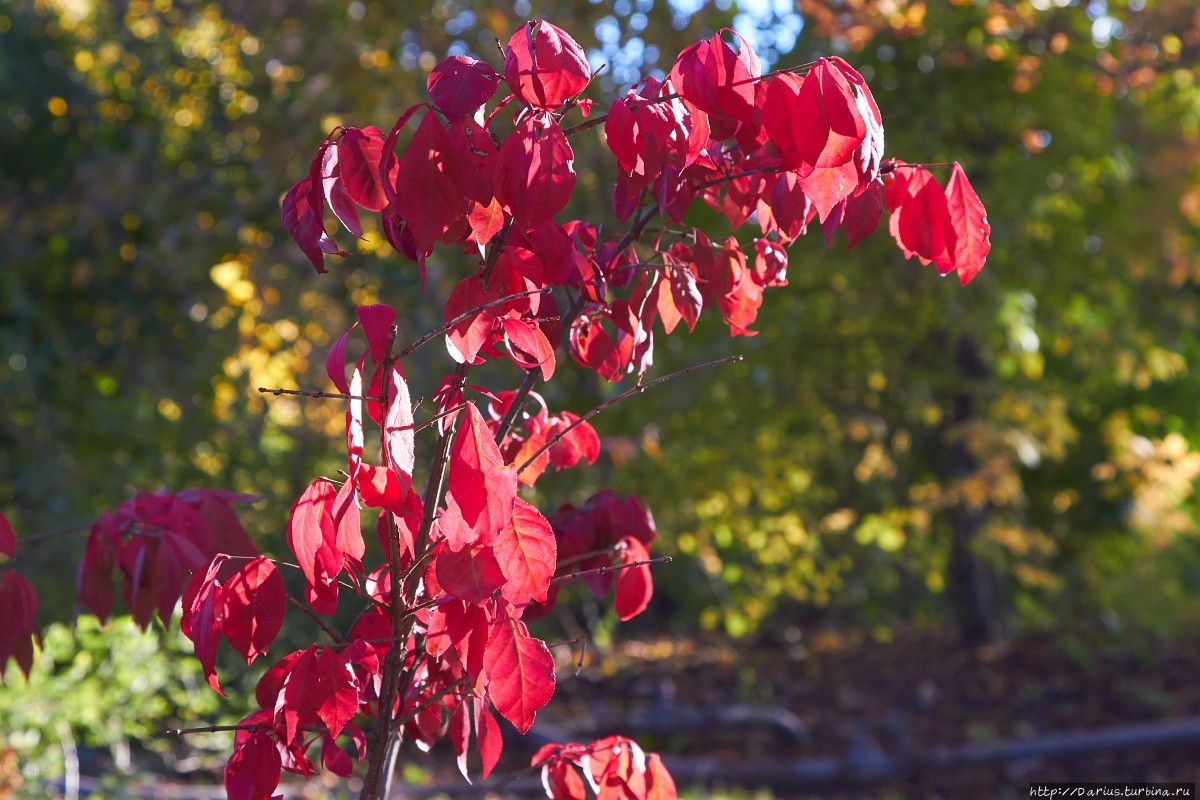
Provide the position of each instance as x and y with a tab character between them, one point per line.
636	389
215	729
610	568
53	533
468	314
891	166
318	395
436	417
328	630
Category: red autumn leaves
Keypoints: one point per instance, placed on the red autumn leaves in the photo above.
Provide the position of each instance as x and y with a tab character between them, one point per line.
469	568
18	608
782	149
481	564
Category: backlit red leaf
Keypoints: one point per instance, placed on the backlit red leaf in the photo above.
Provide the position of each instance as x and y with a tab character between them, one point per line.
399	439
471	574
967	218
252	772
527	555
520	672
360	153
303	223
201	622
920	225
535	171
252	608
482	486
460	84
633	585
427	194
544	66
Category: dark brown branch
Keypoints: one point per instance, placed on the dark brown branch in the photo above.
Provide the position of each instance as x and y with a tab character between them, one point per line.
637	389
892	166
328	630
215	729
317	395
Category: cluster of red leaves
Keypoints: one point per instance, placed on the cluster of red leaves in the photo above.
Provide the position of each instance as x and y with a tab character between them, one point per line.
154	541
615	768
486	561
443	641
18	608
782	149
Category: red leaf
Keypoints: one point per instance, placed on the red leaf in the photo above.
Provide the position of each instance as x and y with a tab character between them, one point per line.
335	759
347	526
770	263
252	608
659	783
460	84
535	171
919	225
527	555
320	687
360	153
465	339
486	221
94	579
335	193
634	585
377	321
8	537
354	423
738	296
460	736
303	222
487	738
968	220
562	780
717	80
482	486
427	185
520	672
828	186
201	622
19	630
252	772
528	346
544	66
312	537
863	212
581	443
399	438
814	121
471	574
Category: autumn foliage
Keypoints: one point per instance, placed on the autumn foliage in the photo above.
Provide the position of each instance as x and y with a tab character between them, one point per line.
441	646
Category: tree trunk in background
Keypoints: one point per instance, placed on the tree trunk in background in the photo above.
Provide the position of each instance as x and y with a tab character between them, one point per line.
975	588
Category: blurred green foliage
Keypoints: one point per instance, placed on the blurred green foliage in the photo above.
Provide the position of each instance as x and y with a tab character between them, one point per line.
107	696
1048	408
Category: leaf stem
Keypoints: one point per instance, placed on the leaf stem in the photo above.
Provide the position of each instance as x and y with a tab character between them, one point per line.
610	568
